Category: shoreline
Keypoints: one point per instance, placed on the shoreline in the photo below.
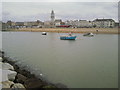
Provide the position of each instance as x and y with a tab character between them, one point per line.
67	30
25	78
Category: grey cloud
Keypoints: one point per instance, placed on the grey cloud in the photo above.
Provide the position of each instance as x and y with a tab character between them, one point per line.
27	11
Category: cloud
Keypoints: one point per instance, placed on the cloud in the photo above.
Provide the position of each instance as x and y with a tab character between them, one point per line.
27	11
60	0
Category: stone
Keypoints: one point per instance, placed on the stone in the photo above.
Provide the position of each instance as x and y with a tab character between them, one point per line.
7	66
20	78
12	75
1	59
60	85
1	65
33	83
8	75
18	86
4	75
48	86
1	53
6	84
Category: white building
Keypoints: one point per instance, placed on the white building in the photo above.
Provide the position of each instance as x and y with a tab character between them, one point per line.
79	23
104	23
58	22
85	23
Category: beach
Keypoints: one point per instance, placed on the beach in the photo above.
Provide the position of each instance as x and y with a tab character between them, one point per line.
73	30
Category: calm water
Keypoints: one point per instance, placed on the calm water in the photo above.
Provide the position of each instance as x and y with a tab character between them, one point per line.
87	62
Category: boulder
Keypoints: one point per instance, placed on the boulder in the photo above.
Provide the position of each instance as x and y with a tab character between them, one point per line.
1	59
4	75
20	78
33	83
1	65
60	85
12	75
8	75
1	53
18	86
6	84
0	86
7	66
49	86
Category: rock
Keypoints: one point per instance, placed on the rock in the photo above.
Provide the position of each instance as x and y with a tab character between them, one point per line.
18	86
25	72
48	86
0	86
16	67
8	75
7	84
20	78
60	85
1	59
12	75
33	83
7	66
1	53
1	65
4	75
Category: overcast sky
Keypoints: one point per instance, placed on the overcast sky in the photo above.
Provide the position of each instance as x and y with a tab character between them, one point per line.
31	11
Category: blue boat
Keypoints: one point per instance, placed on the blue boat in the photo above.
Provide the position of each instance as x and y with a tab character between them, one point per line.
68	37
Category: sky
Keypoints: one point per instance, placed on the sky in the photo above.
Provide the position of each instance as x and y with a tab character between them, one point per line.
33	10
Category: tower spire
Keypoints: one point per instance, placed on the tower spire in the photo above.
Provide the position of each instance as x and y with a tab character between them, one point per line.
52	16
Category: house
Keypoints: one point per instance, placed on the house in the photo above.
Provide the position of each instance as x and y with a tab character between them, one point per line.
58	22
104	23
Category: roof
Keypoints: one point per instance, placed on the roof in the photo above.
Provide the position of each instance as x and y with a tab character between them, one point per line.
58	20
103	20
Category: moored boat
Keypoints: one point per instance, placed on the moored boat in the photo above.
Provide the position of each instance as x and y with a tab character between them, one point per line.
44	33
68	37
88	34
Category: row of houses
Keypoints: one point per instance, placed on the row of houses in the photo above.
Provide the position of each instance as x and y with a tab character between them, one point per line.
97	23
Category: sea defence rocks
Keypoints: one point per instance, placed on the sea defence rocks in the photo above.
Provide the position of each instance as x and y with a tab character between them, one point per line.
7	66
20	78
8	75
1	59
15	77
17	85
7	84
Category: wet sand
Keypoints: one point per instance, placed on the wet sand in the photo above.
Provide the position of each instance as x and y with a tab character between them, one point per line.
73	30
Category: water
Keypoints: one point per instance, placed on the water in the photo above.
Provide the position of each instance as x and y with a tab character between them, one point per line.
87	62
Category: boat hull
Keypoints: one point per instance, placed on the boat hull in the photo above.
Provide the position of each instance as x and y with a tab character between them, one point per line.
68	37
44	33
89	34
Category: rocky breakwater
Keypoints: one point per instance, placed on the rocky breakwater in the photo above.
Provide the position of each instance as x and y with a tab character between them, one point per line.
14	77
8	75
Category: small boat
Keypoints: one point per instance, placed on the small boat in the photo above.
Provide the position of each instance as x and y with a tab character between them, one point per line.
68	37
88	34
44	33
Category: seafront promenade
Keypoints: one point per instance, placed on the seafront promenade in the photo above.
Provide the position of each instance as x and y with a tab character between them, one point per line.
73	30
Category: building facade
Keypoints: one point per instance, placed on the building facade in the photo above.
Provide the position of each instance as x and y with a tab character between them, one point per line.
58	22
79	23
104	23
